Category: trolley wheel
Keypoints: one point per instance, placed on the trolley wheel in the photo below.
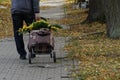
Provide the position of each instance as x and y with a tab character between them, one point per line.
54	57
30	55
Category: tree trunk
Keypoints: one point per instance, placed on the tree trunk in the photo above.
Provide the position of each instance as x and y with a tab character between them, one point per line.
78	1
96	12
112	8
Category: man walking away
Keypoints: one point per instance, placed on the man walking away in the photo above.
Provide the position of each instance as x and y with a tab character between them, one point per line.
23	10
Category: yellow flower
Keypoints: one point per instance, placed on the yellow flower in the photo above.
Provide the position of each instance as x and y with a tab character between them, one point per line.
38	25
24	27
31	27
54	28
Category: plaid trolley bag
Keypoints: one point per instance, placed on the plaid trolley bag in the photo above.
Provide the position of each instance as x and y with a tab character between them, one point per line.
41	42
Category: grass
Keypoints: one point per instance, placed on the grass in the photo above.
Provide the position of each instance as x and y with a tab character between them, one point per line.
98	56
3	0
6	29
5	3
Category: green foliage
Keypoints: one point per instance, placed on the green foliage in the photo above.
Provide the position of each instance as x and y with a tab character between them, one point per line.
41	24
57	25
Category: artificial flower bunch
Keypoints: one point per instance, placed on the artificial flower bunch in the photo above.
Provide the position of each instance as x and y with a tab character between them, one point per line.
38	25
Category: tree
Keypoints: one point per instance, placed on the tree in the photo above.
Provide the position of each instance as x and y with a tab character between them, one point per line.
109	11
96	11
112	13
77	1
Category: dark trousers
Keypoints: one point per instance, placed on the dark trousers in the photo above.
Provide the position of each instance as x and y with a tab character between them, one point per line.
18	20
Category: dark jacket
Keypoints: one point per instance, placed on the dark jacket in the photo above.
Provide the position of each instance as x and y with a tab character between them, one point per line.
25	6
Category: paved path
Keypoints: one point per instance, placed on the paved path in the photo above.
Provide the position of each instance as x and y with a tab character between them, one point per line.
55	12
43	68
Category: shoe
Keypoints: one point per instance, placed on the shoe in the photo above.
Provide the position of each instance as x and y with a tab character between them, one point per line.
33	56
22	57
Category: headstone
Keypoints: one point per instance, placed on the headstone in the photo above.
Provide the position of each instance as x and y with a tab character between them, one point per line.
76	6
83	5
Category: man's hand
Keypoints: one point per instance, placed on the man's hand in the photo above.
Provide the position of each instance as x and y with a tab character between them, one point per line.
37	16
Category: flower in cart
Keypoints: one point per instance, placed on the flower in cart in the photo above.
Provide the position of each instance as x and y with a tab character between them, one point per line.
38	25
55	27
24	29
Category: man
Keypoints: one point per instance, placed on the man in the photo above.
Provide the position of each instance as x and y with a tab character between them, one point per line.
23	10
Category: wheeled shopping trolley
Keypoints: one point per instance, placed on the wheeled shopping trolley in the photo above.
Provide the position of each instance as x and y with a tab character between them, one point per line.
41	42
